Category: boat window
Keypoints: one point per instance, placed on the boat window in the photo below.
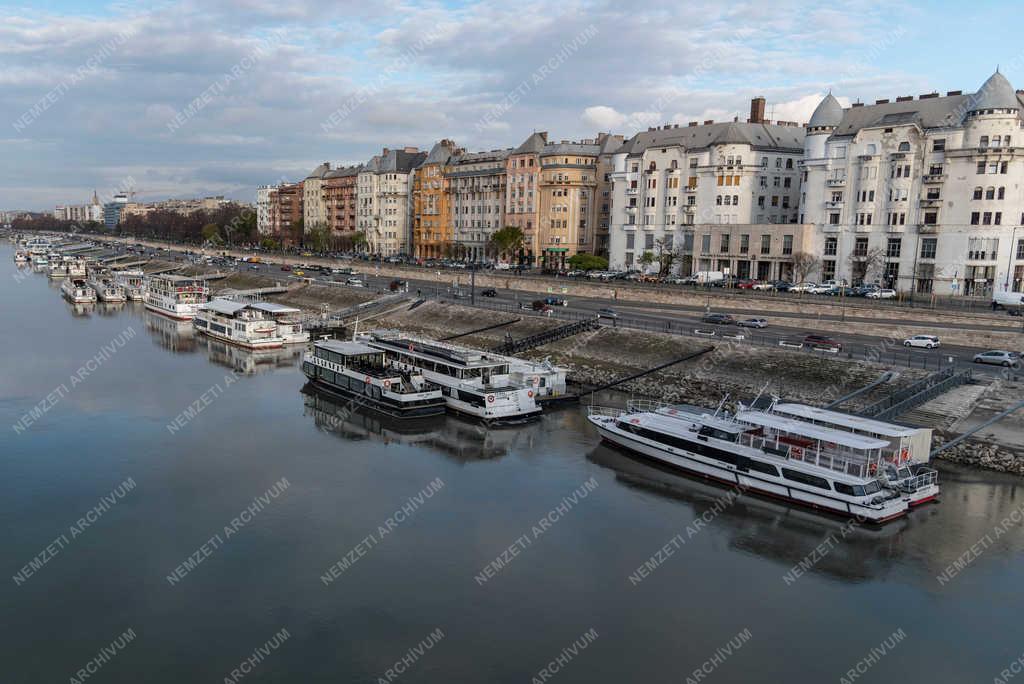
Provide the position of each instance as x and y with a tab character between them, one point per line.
845	489
905	473
759	467
804	478
872	487
708	431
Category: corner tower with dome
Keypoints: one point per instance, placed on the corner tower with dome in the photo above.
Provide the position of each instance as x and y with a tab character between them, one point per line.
922	194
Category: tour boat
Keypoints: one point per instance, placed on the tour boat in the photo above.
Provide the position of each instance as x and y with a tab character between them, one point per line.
107	290
37	245
21	257
133	282
365	375
58	270
40	261
474	383
827	469
77	291
175	296
253	325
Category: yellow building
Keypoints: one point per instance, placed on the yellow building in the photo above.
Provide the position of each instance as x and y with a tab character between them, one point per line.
432	232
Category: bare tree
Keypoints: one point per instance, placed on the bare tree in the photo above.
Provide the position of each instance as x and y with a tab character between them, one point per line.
804	264
867	267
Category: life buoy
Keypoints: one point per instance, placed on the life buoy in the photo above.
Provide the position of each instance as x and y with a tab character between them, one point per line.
873	468
367	379
410	346
387	384
490	398
904	455
536	381
796	452
530	394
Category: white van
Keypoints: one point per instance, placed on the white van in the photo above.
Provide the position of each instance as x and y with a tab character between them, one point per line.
708	277
1004	299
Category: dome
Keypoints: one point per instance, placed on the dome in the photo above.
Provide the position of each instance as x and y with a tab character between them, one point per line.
996	93
829	113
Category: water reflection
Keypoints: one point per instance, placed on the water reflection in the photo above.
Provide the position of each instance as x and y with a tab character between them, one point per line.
460	439
250	361
176	336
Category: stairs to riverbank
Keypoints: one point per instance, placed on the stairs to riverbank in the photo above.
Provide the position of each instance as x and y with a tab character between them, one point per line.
946	410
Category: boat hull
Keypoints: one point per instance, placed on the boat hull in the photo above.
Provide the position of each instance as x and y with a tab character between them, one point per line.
362	400
748	483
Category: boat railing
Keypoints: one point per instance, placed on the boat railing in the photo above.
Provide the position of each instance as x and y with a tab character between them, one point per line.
925	477
606	411
646	405
809	455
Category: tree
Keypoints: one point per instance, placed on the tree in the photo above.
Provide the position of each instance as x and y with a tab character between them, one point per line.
803	265
269	244
359	240
507	240
587	262
211	233
317	237
665	257
866	267
646	259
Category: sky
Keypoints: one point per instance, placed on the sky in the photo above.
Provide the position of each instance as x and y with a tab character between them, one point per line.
216	97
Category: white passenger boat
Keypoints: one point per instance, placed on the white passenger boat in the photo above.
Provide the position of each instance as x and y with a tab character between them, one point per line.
823	468
474	383
175	296
133	282
253	325
107	290
38	245
77	291
21	257
39	261
365	375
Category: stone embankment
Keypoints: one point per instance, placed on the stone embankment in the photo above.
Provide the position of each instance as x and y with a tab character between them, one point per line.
982	454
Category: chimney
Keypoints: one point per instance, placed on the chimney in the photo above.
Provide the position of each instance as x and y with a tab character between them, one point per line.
692	124
757	109
885	101
905	98
709	122
927	96
957	92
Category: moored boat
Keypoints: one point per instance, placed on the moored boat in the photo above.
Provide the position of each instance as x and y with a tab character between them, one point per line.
77	291
760	452
133	282
21	257
474	383
175	296
366	376
254	325
107	290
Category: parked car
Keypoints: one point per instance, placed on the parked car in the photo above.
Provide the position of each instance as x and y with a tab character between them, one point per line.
882	293
753	323
607	313
355	282
842	291
398	285
286	267
822	342
803	287
998	358
718	319
489	292
781	285
926	341
254	267
556	301
747	284
763	286
823	288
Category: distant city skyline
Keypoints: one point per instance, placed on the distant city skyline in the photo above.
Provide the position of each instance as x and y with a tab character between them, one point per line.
215	98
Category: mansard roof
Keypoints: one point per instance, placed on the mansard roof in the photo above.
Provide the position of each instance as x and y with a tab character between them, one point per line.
534	144
757	135
319	171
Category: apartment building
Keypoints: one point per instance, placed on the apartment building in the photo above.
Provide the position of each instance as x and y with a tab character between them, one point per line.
340	197
921	194
285	212
673	182
314	211
432	230
522	187
476	189
384	188
263	226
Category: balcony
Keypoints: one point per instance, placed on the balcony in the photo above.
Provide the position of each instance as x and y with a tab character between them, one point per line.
829	228
834	205
864	229
689	208
632	191
932	178
835	182
896	229
928	228
689	190
926	202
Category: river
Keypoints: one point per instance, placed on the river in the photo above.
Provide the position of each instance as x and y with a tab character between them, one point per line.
175	510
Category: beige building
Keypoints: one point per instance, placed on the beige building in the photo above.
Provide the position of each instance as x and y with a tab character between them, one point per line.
763	251
476	199
314	210
384	186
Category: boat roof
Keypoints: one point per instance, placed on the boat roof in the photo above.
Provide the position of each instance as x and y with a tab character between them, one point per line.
273	307
458	356
799	427
176	278
877	427
227	307
346	348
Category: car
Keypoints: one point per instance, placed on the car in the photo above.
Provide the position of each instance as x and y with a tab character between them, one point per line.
763	286
926	341
489	292
841	291
718	319
300	272
556	301
355	282
803	287
822	342
998	358
747	284
607	313
1014	312
753	323
882	293
286	267
823	288
254	267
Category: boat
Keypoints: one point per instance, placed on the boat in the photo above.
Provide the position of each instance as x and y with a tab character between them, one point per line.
133	282
58	270
21	257
175	296
40	261
475	383
760	452
77	291
107	290
38	245
365	375
253	325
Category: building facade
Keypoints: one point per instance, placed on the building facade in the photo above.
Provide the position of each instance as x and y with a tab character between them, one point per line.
263	226
672	183
567	208
286	212
522	190
432	230
384	187
340	198
922	195
476	187
314	211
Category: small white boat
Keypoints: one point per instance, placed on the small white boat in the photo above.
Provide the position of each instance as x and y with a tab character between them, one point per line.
107	290
133	282
176	296
77	291
21	257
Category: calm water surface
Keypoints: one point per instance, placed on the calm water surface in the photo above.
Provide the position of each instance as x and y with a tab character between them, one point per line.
348	474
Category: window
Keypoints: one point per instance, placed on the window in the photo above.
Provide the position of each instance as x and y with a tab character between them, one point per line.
831	245
998	218
805	478
828	269
981	167
744	244
766	244
724	244
894	247
904	147
705	243
787	244
975	218
983	143
928	246
978	192
986	218
833	219
1001	194
939	145
931	218
1020	249
990	193
860	247
892	273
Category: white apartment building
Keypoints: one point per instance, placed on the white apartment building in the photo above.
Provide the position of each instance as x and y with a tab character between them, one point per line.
314	209
384	188
672	183
923	195
263	225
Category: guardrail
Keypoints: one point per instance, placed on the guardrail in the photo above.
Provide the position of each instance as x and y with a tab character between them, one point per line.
955	380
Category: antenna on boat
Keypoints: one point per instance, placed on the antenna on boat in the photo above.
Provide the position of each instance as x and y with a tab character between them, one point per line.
720	405
753	404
